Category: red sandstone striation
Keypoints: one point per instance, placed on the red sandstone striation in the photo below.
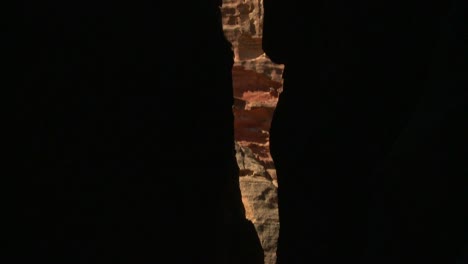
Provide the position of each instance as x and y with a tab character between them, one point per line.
257	83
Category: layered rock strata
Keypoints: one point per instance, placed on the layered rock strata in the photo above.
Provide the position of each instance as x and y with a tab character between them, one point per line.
257	84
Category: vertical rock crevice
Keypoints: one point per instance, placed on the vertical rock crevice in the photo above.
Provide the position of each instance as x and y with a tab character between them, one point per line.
257	83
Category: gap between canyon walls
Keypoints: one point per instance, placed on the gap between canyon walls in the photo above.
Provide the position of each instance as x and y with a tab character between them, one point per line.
257	83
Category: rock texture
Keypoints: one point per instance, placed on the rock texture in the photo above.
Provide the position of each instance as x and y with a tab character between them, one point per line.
257	84
259	196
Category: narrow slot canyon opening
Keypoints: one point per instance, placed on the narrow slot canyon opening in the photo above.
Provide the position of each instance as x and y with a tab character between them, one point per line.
257	83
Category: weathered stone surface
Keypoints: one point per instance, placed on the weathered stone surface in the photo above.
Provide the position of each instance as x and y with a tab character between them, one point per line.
249	47
243	26
248	164
260	201
263	64
251	80
257	83
253	124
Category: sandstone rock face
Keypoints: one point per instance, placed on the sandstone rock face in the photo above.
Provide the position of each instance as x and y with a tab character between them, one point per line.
257	84
259	196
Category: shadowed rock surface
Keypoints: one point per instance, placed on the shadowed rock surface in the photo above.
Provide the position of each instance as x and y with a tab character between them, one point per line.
368	137
127	136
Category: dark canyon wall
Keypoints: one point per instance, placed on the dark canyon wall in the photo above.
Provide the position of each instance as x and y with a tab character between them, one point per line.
111	134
